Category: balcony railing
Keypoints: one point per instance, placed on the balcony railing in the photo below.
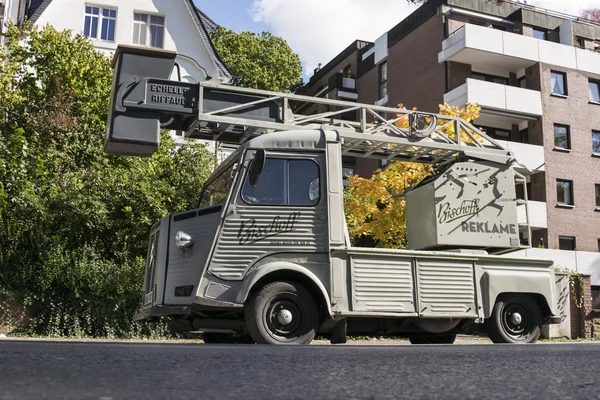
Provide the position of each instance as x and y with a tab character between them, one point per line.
342	81
495	96
478	45
538	218
529	155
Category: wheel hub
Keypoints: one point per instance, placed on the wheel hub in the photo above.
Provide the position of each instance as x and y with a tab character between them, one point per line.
516	319
284	317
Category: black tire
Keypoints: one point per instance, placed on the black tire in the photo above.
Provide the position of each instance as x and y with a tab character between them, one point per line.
432	339
263	311
501	326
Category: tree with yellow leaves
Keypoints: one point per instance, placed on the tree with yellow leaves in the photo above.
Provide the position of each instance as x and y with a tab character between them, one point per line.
375	208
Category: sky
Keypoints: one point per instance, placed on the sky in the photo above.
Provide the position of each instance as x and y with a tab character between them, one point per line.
317	30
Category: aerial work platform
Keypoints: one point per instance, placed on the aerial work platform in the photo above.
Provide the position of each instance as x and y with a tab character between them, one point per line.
145	101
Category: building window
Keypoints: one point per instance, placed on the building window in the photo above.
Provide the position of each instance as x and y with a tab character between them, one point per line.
596	142
523	82
596	292
524	135
562	136
496	133
539	33
347	172
148	30
564	192
347	71
597	197
594	87
489	78
599	247
100	23
383	80
566	242
558	83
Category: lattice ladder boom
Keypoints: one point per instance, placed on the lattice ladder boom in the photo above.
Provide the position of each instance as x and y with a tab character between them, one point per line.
143	104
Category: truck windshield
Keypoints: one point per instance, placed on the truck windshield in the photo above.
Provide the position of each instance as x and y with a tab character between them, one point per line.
216	191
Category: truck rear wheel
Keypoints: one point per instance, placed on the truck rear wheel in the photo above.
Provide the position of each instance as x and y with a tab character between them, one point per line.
515	319
282	313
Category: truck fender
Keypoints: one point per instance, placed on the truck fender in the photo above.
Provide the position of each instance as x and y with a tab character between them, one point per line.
494	283
262	271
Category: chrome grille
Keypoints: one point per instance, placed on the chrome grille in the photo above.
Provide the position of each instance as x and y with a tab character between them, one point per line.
151	262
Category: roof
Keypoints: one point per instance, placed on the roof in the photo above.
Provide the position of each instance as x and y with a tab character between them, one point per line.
209	24
205	26
36	8
202	21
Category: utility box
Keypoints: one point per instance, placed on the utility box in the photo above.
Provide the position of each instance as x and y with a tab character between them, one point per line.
471	205
132	131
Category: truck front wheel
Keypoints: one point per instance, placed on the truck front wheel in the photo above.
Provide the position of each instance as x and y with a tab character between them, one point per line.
515	319
282	313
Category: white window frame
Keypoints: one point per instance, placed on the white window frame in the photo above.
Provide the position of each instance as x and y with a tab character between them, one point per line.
147	26
101	18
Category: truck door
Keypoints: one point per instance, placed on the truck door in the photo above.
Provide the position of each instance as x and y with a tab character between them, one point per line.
283	214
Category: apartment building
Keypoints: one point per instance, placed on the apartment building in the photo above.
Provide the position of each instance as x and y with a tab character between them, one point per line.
536	75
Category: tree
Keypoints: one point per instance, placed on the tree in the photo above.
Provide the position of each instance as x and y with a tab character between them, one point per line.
375	208
592	14
74	221
260	61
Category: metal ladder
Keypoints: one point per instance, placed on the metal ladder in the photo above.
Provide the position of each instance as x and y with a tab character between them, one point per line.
385	133
378	132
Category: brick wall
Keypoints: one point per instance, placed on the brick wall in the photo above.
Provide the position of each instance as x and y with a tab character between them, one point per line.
458	74
582	317
415	78
578	165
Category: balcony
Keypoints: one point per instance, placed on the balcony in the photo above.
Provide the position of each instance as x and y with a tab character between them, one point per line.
511	104
481	46
530	155
537	214
345	85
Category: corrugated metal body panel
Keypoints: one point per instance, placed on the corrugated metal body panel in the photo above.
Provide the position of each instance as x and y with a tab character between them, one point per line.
382	284
445	287
186	266
252	232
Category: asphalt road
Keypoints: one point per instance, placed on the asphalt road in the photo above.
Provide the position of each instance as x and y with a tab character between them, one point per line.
84	370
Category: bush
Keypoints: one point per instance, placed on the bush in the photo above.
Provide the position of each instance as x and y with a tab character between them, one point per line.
74	221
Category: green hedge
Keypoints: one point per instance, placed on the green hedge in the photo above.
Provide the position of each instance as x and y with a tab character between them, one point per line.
74	221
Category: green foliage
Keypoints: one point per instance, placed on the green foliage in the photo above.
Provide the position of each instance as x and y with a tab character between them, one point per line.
74	221
259	61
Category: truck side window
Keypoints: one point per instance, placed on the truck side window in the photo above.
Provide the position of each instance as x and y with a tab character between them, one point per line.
285	182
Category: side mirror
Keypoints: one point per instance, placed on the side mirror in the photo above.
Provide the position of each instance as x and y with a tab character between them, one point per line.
258	164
